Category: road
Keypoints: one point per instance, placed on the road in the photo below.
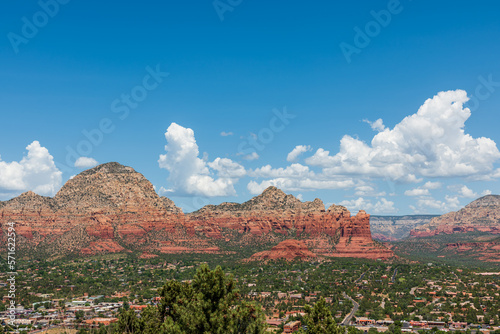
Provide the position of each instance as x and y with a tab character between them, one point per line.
360	277
394	275
348	318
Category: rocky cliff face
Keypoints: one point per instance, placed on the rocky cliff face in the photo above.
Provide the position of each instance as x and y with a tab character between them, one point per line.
112	208
332	232
103	209
481	215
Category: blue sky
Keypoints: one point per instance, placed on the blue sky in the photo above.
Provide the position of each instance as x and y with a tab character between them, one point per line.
180	91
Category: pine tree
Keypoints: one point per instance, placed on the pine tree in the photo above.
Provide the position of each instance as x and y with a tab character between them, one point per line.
319	319
209	304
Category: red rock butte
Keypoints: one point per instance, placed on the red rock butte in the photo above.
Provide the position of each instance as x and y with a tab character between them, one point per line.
289	250
112	208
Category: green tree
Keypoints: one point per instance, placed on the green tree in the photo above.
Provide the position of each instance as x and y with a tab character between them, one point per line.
210	303
319	319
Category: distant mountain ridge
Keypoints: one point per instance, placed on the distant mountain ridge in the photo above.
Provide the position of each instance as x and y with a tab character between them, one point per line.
392	228
113	208
467	235
482	215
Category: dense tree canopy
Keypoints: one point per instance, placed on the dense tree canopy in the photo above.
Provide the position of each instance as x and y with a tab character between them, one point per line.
319	320
210	303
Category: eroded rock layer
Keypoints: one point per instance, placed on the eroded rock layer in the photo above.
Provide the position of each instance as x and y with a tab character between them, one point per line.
112	208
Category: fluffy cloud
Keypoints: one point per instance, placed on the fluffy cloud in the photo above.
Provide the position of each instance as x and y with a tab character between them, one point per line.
36	171
467	192
84	162
417	192
191	175
429	143
296	152
366	190
227	168
428	204
297	184
432	185
381	206
251	156
295	177
378	125
424	189
292	171
225	134
486	192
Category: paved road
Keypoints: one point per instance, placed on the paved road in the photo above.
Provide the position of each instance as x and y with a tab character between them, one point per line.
348	318
360	277
394	275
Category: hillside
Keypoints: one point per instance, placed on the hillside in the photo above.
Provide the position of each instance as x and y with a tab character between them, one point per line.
481	215
470	235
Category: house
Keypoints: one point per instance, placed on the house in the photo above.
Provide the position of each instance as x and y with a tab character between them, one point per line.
274	322
138	307
97	321
364	321
292	326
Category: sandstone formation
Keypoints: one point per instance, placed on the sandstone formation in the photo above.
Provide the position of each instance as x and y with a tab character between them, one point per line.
288	250
482	215
108	208
333	232
112	208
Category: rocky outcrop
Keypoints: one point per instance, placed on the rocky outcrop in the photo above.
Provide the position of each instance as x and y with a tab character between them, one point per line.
113	208
288	250
104	209
482	215
332	232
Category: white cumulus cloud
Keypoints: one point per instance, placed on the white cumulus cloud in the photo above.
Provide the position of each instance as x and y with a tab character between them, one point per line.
296	152
36	172
381	206
295	177
378	125
85	162
191	175
428	204
429	143
467	192
486	192
417	192
298	184
432	185
251	156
